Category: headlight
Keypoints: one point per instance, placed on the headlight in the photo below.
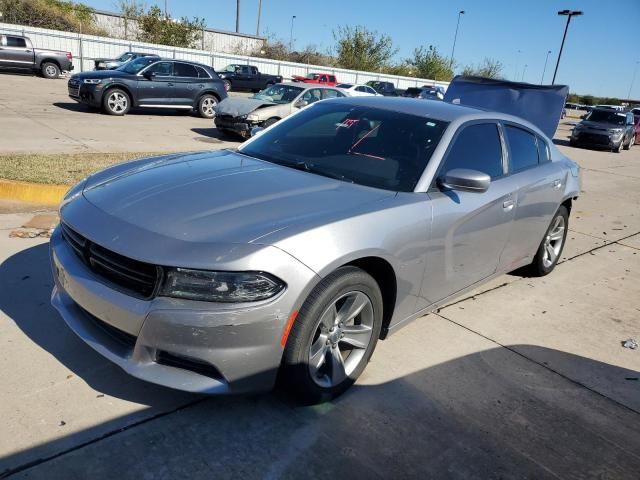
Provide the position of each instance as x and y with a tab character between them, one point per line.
92	81
253	117
220	286
615	131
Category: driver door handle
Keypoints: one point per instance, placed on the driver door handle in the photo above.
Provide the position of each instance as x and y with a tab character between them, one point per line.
507	205
170	84
557	184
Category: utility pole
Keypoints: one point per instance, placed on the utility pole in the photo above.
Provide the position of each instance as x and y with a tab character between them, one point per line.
166	10
523	70
515	75
293	17
237	16
568	14
259	15
545	66
455	37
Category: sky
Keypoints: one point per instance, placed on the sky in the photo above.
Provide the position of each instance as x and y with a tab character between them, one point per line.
600	55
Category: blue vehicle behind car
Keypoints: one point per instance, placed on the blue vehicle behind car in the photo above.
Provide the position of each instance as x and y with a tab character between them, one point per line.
152	83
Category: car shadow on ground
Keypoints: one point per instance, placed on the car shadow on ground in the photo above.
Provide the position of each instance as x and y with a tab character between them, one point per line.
25	298
214	135
489	414
81	107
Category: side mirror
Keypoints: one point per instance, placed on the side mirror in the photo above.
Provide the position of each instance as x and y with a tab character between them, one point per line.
149	75
301	103
256	131
465	180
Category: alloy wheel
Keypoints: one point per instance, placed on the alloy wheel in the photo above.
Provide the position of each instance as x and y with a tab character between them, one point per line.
50	70
341	338
208	105
553	241
117	102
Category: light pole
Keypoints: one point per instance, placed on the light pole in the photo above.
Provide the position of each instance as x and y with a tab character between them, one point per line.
568	14
455	37
237	16
293	17
523	70
259	15
545	66
633	79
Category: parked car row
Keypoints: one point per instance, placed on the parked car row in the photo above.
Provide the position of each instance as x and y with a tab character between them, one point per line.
607	128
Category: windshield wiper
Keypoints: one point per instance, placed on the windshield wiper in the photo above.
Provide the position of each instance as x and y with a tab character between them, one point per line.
311	168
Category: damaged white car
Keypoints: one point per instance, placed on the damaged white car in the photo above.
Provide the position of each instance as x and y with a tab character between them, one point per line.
238	115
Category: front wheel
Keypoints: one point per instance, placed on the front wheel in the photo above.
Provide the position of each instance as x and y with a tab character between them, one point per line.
116	102
50	70
552	244
207	105
333	336
628	145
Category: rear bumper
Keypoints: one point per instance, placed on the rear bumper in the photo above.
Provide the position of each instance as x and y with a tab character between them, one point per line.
191	346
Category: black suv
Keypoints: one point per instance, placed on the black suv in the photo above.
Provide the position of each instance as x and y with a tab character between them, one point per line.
153	83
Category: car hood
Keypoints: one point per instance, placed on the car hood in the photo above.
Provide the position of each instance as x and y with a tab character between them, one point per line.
102	74
221	197
599	125
237	106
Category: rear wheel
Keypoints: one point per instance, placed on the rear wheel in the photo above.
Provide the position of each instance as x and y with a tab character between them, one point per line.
618	148
50	70
333	336
628	145
206	106
116	102
227	85
552	244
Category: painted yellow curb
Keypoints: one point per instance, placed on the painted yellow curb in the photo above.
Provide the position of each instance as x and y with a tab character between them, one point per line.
32	192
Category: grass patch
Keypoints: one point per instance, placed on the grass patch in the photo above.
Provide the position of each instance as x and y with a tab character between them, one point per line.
58	168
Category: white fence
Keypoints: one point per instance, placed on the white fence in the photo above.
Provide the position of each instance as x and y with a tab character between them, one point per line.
86	48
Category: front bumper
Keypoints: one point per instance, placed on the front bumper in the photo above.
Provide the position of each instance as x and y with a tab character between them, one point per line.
241	126
85	93
201	347
596	138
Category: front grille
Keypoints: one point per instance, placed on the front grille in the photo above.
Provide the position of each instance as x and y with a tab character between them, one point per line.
123	338
133	277
74	88
595	138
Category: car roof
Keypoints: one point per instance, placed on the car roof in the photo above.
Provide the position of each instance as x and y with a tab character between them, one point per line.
437	110
183	61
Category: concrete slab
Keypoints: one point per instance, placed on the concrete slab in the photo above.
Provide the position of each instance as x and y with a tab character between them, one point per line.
585	308
436	402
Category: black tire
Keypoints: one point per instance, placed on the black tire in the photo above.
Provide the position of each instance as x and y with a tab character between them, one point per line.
116	102
270	121
343	285
634	141
540	265
50	70
618	148
573	143
206	106
227	85
628	145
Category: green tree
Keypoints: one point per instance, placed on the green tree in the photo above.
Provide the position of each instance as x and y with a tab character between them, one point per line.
359	48
52	14
489	68
428	63
154	27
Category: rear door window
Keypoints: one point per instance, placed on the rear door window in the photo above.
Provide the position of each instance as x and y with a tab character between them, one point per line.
477	147
523	151
185	70
16	42
202	73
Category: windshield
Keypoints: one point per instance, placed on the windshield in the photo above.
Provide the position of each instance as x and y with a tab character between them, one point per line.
136	65
344	85
604	116
368	146
279	93
312	76
124	57
230	68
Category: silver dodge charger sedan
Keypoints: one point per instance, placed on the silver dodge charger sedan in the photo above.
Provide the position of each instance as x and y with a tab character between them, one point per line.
287	260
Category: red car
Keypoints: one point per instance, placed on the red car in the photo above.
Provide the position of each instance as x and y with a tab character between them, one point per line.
327	79
636	127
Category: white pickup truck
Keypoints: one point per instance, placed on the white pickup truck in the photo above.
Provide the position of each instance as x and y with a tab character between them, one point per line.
17	52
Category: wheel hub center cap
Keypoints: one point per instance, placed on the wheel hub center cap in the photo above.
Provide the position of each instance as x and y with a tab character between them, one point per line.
334	337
